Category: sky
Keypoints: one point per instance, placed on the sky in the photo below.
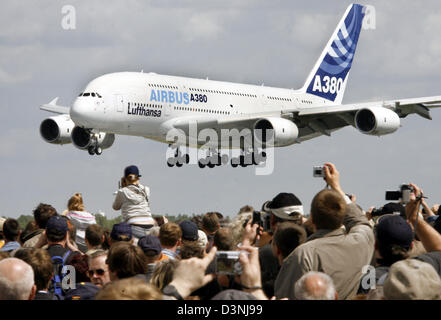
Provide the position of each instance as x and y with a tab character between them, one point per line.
253	42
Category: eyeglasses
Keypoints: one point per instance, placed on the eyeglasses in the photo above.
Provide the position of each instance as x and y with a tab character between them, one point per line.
99	272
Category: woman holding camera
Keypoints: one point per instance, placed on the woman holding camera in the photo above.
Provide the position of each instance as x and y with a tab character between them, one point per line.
133	200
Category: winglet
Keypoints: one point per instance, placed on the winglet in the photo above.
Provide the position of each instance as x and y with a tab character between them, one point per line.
54	101
53	107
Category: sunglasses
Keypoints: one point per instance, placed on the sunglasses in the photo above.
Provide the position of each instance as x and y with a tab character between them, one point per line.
99	272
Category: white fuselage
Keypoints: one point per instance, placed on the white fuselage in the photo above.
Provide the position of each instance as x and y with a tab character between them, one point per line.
141	104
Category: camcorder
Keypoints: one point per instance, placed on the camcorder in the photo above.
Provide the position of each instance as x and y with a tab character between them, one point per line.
403	194
318	172
227	262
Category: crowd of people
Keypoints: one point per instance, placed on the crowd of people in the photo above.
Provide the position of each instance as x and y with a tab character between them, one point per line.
338	251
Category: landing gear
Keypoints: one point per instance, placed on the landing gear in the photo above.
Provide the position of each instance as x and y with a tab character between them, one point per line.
179	159
95	150
214	158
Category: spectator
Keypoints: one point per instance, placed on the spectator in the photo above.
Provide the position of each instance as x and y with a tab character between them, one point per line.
223	239
163	273
129	289
41	263
342	245
284	207
393	241
126	260
189	231
121	232
16	280
98	269
151	246
57	238
80	218
412	279
191	249
315	286
81	264
29	231
246	210
11	233
210	225
288	236
134	201
95	239
170	236
42	213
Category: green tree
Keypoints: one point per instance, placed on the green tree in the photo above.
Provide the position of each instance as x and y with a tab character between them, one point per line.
24	220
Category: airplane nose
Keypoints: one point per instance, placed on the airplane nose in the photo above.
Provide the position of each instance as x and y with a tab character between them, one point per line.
81	112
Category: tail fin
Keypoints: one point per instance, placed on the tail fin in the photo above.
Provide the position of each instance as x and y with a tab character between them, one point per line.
330	73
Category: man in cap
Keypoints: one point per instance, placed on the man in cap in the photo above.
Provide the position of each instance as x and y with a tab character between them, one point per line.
189	230
342	245
285	207
393	240
121	232
153	253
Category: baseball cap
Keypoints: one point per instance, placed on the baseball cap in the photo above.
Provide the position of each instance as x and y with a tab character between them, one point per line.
57	224
285	206
189	230
394	207
393	229
150	243
82	291
121	231
131	170
411	279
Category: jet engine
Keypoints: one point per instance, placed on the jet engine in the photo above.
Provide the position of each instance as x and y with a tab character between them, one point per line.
57	129
377	121
284	131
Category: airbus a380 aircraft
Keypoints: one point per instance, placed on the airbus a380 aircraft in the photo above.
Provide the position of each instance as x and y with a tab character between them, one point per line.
150	105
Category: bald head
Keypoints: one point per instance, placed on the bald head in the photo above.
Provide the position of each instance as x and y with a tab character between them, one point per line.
315	286
16	280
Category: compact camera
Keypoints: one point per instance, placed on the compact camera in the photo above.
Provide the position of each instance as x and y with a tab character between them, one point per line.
263	219
227	262
318	172
403	194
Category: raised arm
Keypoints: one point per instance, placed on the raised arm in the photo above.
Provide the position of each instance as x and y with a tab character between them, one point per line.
430	238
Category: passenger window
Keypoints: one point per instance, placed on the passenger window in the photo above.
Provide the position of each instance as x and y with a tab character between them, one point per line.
93	94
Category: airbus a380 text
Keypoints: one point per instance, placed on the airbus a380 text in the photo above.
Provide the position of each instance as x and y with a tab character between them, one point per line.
151	105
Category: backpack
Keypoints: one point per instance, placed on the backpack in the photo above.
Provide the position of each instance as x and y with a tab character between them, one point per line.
56	280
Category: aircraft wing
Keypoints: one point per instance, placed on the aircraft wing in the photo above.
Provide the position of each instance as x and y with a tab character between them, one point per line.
315	121
53	107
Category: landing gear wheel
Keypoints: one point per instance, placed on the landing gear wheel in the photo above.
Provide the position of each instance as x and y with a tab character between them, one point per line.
178	164
98	151
170	162
187	159
211	165
91	151
201	165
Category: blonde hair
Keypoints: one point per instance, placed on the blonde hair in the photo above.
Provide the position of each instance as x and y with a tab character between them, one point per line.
129	289
163	273
75	203
237	228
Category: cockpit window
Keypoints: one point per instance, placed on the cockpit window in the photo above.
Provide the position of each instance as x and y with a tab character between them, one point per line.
80	94
86	94
98	95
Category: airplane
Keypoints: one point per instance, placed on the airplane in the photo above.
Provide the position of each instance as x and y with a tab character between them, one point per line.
150	105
